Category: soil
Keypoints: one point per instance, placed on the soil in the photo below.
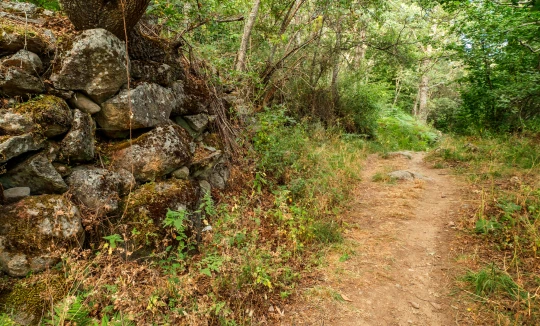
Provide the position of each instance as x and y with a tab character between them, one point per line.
397	263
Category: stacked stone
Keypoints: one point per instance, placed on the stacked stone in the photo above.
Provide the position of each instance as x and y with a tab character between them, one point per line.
151	138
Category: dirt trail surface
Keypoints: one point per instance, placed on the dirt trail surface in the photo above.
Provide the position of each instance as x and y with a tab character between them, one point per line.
395	265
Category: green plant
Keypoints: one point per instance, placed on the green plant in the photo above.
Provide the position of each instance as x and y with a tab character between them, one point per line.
70	310
5	320
492	280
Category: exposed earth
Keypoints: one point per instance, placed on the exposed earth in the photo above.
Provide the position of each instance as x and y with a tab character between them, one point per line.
397	263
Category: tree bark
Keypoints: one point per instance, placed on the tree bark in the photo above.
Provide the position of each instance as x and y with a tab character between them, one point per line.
116	16
423	89
241	59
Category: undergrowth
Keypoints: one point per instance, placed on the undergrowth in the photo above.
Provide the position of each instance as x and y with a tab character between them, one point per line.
262	237
397	130
504	173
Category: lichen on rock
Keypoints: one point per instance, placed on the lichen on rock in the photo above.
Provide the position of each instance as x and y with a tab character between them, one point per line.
35	231
51	115
94	65
154	154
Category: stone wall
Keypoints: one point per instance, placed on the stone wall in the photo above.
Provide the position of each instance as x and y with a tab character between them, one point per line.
80	145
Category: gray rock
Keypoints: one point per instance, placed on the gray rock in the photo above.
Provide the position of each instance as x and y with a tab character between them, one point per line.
98	189
16	82
62	169
154	154
182	174
149	105
205	162
184	124
405	154
219	176
155	72
95	65
405	175
35	231
50	114
14	124
22	8
78	145
26	61
83	103
199	122
36	172
11	147
205	186
13	195
180	99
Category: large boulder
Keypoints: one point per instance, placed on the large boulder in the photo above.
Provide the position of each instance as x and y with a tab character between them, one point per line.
99	189
146	209
36	172
27	61
13	146
148	105
35	231
51	115
155	154
17	82
78	145
95	65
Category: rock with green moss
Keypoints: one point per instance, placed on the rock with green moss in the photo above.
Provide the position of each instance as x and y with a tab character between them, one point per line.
95	65
37	173
35	231
155	154
146	209
51	115
78	145
31	298
15	37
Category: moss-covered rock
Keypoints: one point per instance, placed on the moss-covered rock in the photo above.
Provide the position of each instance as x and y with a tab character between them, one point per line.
51	115
27	300
35	231
15	37
154	154
146	209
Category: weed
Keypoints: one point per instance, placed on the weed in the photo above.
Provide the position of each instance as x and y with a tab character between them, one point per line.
491	280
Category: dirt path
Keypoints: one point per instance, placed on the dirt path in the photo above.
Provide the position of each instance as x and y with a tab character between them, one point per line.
394	266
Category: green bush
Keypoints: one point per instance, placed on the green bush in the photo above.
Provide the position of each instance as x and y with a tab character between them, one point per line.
397	130
360	104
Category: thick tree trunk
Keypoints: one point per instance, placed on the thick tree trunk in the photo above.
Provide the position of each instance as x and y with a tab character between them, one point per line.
241	59
116	16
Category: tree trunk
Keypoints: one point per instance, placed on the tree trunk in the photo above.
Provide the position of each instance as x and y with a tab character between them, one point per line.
118	17
423	89
241	59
